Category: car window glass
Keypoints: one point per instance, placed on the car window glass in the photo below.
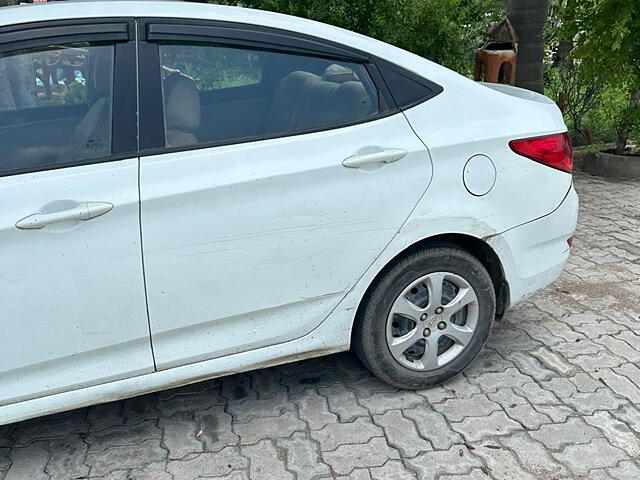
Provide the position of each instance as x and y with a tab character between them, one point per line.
55	105
215	93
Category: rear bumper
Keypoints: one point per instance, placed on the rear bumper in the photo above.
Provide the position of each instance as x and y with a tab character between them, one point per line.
533	255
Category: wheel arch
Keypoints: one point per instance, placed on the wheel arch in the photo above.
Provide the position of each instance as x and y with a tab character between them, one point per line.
475	246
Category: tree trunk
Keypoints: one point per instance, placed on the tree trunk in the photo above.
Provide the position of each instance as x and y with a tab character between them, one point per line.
6	95
22	80
7	103
528	18
17	78
624	129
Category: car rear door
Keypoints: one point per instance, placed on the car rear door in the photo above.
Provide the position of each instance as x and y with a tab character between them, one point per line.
72	300
257	222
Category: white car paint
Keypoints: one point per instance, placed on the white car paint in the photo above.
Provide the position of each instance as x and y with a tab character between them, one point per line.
260	249
65	326
526	217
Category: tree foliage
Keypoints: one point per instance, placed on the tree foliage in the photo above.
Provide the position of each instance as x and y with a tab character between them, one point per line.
609	36
567	80
608	45
592	47
445	31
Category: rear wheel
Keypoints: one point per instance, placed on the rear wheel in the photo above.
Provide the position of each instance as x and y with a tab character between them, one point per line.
426	318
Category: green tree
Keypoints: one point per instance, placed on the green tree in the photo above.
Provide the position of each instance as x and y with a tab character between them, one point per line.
445	31
608	43
566	79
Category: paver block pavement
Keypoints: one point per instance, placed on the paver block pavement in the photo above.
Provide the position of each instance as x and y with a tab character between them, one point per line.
554	395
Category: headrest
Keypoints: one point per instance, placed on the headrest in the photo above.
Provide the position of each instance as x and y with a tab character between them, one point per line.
354	99
182	103
308	101
297	80
339	74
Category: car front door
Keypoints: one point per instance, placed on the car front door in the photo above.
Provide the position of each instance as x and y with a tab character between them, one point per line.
272	175
72	300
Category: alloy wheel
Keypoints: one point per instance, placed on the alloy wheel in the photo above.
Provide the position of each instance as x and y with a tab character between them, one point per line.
432	321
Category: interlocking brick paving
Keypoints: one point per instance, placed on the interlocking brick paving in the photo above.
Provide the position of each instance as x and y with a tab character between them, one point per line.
554	395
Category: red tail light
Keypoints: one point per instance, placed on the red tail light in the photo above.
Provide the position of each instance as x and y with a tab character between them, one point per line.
553	150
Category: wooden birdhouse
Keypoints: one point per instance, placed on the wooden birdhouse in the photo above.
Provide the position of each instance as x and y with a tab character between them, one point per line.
495	61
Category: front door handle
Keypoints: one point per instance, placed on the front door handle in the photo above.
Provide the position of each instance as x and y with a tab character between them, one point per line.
84	211
388	155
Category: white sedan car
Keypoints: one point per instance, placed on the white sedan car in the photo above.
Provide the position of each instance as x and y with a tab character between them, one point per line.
189	191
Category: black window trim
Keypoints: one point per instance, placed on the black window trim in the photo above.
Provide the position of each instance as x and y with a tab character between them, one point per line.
138	120
433	88
227	33
152	131
38	34
120	31
155	30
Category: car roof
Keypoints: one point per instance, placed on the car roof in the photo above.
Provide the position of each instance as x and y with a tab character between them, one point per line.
78	9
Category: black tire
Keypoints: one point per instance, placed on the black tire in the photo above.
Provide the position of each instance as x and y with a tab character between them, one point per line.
369	337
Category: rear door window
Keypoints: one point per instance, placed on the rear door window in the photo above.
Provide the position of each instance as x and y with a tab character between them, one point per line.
216	93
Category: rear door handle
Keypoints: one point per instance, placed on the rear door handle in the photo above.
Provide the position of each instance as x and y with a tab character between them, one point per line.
388	155
84	211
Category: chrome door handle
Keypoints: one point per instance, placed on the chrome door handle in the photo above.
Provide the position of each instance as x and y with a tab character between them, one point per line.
84	211
388	155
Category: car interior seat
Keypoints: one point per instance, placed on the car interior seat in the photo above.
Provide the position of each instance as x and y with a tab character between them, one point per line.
181	110
92	137
305	101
